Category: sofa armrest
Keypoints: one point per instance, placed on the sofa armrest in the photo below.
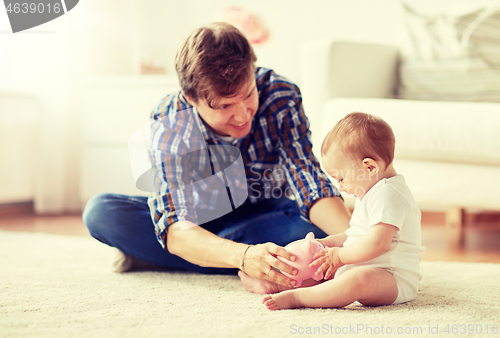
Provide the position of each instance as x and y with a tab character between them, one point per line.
331	69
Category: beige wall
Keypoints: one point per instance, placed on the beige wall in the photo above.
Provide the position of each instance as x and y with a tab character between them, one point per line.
158	27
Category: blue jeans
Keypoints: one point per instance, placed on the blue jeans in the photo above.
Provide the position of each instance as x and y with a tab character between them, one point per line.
124	222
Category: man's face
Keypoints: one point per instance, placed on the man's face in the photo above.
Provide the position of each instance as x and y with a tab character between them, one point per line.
233	115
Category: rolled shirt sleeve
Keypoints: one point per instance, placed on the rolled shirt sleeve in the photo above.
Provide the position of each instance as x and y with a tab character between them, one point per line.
172	199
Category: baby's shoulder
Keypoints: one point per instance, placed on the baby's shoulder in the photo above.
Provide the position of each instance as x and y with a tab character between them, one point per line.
388	194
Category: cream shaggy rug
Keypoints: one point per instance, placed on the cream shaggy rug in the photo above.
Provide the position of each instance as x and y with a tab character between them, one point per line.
61	286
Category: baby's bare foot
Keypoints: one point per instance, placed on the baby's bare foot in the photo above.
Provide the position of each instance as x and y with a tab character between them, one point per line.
281	301
269	302
259	286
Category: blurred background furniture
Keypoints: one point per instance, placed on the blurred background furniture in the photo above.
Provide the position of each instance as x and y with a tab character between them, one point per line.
114	108
449	152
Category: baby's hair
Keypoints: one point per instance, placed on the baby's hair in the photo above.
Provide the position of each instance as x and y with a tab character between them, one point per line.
361	136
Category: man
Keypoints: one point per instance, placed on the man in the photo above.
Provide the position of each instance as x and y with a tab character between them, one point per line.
229	102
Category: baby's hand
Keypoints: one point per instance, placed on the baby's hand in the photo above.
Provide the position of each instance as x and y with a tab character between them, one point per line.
329	260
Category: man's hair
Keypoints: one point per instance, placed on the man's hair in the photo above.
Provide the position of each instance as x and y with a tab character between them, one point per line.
361	136
215	61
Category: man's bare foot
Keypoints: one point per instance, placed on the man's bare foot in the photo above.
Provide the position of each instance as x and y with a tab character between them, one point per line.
259	286
284	300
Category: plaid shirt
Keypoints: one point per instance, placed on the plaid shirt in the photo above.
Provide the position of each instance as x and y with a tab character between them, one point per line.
277	154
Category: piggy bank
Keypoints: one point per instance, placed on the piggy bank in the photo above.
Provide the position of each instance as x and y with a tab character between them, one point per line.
304	250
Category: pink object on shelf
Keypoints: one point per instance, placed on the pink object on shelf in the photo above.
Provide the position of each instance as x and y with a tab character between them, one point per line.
304	249
247	23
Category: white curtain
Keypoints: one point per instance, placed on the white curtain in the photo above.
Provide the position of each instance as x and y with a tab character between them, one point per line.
49	63
53	63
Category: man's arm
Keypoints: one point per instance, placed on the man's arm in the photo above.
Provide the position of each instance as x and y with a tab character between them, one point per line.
199	246
330	215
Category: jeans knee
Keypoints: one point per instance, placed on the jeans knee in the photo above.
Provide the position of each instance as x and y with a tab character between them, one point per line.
95	211
318	233
310	227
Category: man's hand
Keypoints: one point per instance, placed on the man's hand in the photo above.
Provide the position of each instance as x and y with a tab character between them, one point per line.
329	260
260	260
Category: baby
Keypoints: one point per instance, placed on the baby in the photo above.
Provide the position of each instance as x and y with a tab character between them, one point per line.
377	260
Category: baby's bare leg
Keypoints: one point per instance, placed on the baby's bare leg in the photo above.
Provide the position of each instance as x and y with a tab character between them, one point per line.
369	286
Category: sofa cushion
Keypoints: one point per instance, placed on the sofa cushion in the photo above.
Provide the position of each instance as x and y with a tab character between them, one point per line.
438	185
452	54
459	132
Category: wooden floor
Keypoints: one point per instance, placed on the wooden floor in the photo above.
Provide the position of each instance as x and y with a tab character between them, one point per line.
480	238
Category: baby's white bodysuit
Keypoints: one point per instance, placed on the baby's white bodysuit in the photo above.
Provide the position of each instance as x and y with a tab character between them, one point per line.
390	201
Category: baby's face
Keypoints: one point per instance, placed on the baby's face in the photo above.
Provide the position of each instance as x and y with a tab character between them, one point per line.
353	177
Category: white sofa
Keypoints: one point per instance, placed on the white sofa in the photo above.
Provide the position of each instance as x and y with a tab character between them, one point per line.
449	152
